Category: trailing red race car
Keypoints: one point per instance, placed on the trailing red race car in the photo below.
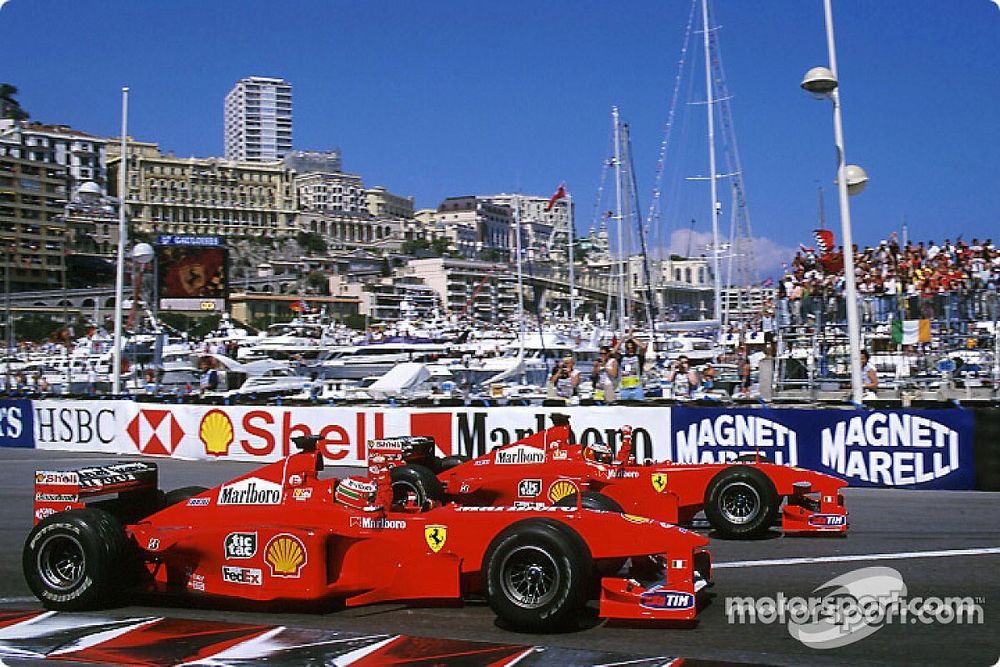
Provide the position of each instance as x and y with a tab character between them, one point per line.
741	500
284	533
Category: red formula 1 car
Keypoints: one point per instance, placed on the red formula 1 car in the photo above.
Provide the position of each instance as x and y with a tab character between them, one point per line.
284	533
741	500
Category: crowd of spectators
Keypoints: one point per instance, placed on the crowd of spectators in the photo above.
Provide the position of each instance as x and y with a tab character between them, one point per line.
955	281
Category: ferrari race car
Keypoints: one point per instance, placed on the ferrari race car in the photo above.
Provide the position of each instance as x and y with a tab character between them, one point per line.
741	500
284	533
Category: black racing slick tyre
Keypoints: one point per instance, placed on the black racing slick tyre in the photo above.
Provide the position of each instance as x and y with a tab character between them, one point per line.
592	500
180	495
741	503
415	481
537	576
74	560
449	462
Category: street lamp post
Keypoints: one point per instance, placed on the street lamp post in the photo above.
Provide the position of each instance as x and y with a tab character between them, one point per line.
822	83
116	350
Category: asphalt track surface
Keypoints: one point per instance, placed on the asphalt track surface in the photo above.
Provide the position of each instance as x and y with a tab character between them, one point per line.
919	530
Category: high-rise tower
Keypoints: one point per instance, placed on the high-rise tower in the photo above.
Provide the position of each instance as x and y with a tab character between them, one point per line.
258	119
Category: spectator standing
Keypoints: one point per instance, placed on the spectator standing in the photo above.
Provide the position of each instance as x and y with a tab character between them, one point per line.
869	376
565	378
630	363
604	376
683	378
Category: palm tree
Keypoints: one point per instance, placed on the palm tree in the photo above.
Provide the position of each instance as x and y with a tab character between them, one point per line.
9	107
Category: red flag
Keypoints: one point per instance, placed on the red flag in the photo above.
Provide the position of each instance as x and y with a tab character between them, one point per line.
559	194
824	240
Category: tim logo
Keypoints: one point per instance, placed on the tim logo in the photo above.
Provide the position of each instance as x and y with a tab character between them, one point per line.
827	520
658	598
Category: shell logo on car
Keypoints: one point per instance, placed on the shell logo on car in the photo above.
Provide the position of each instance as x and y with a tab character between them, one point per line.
561	489
659	481
216	432
286	555
436	536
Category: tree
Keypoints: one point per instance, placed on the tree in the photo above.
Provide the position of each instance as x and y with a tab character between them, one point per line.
413	246
318	281
9	107
311	242
439	246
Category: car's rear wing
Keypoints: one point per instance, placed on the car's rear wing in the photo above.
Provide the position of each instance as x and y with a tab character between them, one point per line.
58	491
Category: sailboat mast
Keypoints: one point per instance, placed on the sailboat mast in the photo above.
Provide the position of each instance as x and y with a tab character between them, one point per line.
570	243
520	276
712	179
619	218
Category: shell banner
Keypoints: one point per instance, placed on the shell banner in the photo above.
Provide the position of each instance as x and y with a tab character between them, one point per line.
267	433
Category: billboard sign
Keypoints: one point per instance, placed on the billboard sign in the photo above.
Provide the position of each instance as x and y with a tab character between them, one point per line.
192	273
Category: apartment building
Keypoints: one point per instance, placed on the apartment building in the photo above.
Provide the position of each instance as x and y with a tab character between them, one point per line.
543	233
215	196
84	155
33	191
476	226
258	120
483	290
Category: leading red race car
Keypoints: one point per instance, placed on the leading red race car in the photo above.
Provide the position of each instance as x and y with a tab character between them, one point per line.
284	533
741	500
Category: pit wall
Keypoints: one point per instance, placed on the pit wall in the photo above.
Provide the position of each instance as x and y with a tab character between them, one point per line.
911	448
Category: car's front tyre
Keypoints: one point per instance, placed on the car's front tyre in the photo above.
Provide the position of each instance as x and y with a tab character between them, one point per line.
536	577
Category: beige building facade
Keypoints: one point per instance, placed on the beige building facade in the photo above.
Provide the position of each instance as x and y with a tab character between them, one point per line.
213	196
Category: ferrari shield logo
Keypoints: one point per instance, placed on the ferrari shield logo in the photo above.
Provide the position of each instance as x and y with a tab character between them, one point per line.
435	537
659	480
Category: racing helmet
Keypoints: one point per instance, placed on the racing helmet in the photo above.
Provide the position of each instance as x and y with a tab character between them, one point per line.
355	492
598	452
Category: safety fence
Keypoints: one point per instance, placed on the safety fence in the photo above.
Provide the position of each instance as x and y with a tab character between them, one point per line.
907	448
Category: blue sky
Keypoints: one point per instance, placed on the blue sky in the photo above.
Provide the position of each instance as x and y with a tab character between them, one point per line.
433	99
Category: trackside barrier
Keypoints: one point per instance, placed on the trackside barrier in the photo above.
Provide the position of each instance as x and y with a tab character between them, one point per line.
912	448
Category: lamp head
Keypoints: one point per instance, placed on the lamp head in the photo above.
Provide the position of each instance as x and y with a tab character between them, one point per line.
856	178
142	253
819	82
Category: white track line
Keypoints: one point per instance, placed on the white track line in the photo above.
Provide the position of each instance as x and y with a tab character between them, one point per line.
858	557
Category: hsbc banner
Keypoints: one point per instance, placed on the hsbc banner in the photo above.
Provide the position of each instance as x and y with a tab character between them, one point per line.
15	423
252	433
928	449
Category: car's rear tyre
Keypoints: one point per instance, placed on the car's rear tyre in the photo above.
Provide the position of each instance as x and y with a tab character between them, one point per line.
536	577
180	495
741	502
592	500
76	560
415	481
449	462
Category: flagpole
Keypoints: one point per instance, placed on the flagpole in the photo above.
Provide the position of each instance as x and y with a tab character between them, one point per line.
116	351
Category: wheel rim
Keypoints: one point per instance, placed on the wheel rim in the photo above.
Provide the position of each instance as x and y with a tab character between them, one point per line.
61	562
401	490
739	503
529	577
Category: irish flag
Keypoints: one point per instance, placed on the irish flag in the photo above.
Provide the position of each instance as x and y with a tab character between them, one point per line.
911	332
